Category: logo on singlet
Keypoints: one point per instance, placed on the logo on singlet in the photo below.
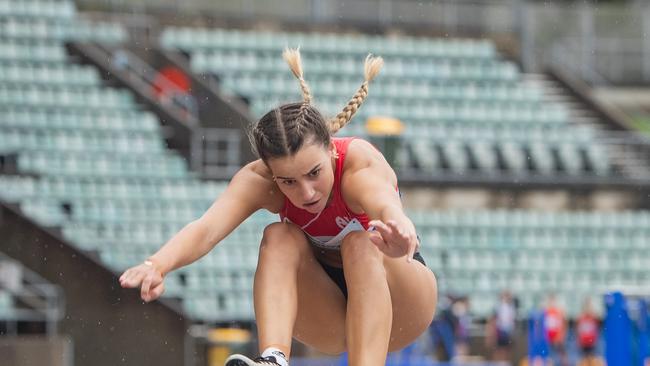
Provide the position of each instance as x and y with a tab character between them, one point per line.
342	222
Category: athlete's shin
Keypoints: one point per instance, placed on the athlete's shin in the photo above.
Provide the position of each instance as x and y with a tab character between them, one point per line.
369	309
275	286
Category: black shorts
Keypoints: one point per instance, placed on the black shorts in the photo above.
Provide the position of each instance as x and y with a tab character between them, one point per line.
336	273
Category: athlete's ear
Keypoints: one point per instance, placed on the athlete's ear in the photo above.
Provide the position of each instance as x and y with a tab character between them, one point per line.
332	149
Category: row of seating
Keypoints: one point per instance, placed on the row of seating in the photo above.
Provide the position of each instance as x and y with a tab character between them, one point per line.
430	113
79	119
526	285
344	44
30	51
402	105
13	72
488	69
80	141
43	9
249	83
538	239
490	132
67	164
65	95
228	259
113	237
546	259
523	219
128	210
55	29
87	188
534	157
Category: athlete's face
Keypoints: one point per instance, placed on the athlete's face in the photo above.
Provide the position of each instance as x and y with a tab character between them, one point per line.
307	177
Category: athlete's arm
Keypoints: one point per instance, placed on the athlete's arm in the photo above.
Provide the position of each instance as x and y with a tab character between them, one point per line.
369	185
249	190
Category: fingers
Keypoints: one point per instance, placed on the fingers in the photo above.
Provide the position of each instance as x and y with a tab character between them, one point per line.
376	239
399	234
411	251
393	234
149	290
148	279
130	279
157	291
146	285
382	229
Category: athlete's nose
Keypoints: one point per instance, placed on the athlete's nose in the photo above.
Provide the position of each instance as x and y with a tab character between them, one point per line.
308	193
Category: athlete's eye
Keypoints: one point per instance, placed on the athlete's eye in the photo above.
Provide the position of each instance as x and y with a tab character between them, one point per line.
288	182
314	173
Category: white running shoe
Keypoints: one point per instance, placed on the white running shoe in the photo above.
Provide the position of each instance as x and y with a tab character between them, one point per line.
241	360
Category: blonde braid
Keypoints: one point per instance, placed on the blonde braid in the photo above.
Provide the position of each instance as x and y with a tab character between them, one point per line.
371	68
292	56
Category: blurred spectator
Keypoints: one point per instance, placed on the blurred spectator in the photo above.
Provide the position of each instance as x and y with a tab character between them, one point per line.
587	332
442	330
555	325
501	327
460	310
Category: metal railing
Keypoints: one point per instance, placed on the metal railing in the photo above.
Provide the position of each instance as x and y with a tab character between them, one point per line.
216	152
182	103
34	298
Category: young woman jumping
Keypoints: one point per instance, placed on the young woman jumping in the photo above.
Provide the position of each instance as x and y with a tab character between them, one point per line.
337	272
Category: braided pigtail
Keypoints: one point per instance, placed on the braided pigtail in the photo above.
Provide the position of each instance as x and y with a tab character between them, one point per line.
371	68
292	56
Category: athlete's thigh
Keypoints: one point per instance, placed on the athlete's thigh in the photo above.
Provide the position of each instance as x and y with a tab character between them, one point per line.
414	294
320	321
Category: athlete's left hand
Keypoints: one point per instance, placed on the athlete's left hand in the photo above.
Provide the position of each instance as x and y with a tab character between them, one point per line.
393	239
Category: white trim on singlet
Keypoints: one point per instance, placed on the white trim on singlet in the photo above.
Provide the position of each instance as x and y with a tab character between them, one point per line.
333	242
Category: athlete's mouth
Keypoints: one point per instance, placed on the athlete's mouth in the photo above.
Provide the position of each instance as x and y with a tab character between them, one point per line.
310	204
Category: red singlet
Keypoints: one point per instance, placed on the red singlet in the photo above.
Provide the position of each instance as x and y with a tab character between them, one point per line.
328	228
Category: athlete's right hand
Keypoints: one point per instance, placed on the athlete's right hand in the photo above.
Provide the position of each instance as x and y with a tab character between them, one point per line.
147	277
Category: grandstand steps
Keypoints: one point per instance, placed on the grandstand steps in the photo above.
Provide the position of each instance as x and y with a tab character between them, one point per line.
629	162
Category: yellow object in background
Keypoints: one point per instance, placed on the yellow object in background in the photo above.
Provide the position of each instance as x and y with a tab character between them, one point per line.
229	335
379	125
226	341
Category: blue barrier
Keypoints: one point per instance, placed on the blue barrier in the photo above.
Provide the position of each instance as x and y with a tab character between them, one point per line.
538	347
618	331
642	340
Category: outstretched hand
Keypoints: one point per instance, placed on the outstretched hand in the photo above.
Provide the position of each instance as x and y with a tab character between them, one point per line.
394	239
147	277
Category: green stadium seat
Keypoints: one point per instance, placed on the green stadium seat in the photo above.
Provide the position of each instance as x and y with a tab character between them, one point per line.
6	305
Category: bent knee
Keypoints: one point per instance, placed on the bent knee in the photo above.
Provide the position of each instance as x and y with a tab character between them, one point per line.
281	232
282	237
357	247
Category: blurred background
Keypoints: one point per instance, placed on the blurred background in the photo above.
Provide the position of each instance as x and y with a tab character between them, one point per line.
518	131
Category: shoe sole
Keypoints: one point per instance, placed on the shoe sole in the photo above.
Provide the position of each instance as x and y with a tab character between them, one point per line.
239	360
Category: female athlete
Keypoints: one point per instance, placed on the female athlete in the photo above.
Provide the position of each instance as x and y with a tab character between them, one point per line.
337	272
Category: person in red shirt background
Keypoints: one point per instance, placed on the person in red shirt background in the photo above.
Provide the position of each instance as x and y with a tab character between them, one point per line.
587	332
555	326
